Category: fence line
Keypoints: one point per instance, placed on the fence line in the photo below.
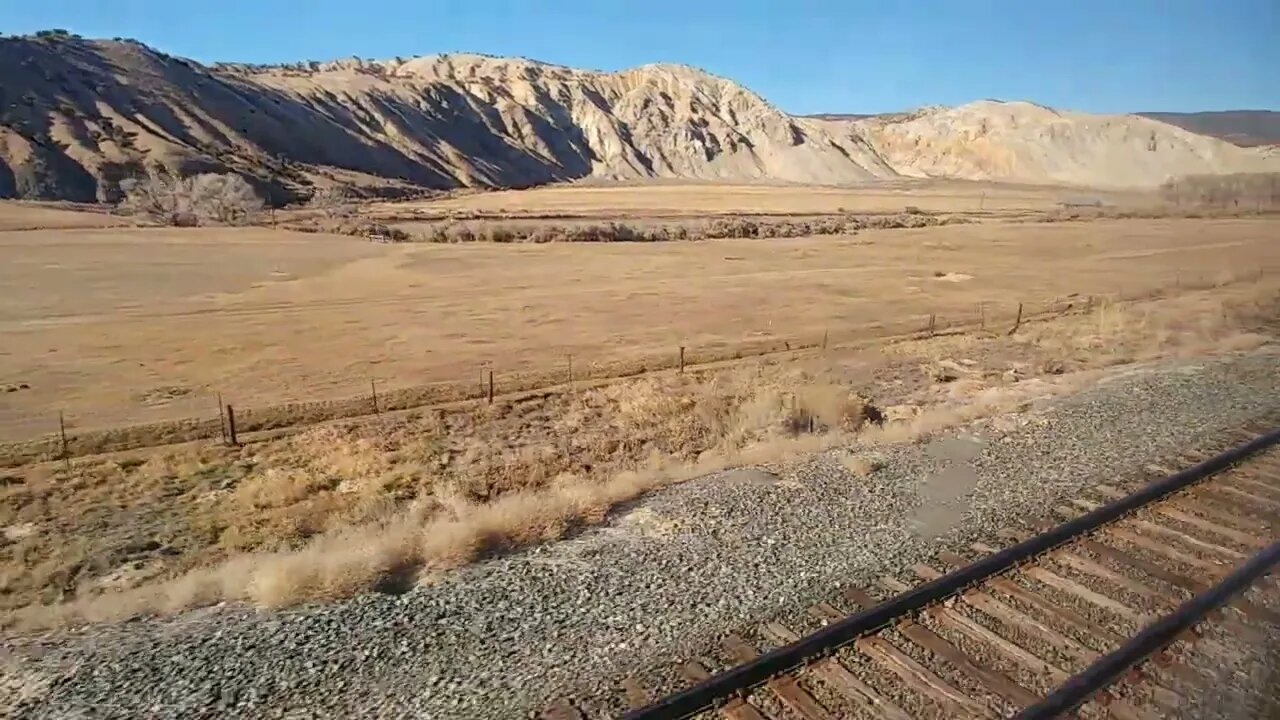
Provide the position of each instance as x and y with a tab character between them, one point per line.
230	424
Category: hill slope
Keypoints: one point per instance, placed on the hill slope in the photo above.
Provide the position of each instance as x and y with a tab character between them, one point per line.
1245	128
77	116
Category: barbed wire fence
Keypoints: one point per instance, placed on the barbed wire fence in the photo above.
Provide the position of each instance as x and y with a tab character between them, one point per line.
210	416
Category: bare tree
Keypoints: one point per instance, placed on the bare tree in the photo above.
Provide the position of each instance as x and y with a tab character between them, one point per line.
203	199
1250	190
158	196
334	201
224	199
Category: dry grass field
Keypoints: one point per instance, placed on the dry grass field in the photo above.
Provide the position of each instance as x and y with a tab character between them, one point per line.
136	325
675	200
20	215
116	326
381	502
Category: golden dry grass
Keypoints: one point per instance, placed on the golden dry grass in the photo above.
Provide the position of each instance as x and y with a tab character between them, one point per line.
23	215
677	199
373	504
144	325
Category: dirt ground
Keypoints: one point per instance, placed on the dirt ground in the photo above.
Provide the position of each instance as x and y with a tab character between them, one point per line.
133	325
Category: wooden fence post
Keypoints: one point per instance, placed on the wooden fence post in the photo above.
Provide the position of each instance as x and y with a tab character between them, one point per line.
682	359
982	315
231	426
490	387
570	371
222	420
62	433
373	392
1018	322
932	320
825	336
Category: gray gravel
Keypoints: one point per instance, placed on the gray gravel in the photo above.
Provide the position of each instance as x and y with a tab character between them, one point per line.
668	575
1244	684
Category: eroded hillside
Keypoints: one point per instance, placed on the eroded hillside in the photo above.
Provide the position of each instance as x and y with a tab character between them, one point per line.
77	116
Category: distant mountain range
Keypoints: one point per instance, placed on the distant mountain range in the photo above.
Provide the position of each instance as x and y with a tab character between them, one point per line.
77	116
1245	128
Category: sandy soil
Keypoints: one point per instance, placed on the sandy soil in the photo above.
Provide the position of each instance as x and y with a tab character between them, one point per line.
138	325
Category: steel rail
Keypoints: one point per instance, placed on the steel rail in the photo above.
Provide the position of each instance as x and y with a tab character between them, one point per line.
1078	688
736	680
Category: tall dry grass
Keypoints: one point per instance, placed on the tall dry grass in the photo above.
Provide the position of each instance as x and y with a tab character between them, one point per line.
353	507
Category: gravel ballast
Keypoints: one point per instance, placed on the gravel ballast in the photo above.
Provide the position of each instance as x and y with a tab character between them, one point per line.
665	578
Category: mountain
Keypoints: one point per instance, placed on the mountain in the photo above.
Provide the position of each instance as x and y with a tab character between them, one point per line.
77	116
1245	128
994	140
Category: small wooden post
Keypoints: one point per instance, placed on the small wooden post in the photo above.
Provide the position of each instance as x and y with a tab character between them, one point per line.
490	387
62	433
373	392
1018	322
982	315
825	336
932	320
570	371
222	420
231	426
681	359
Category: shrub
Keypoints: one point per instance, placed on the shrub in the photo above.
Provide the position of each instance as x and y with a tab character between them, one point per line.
334	201
732	227
208	198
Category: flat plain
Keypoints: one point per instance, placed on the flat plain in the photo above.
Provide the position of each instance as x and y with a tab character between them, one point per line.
116	326
683	199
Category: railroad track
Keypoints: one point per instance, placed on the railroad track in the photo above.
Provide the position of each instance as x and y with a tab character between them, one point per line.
1092	616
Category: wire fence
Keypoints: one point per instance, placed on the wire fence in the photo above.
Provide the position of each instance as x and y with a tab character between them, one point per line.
212	417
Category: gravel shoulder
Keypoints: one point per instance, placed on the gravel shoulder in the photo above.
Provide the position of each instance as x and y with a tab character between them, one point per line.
668	575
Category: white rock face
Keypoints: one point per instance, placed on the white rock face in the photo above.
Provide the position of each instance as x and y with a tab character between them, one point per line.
1021	141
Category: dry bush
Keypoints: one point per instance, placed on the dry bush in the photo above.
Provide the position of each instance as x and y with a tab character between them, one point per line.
719	228
437	491
1226	318
860	465
334	202
197	200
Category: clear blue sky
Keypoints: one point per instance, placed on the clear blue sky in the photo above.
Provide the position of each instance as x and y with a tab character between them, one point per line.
804	55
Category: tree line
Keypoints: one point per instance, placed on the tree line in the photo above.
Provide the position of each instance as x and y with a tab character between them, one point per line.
1237	190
